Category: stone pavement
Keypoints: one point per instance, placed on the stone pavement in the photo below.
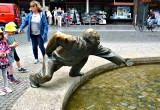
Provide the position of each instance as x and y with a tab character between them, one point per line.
122	39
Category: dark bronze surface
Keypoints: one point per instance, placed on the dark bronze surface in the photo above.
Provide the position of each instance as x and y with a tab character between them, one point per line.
68	50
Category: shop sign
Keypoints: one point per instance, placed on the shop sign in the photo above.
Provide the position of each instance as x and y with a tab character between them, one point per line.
56	0
145	1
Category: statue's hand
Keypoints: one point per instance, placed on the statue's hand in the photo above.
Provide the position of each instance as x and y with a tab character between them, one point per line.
128	62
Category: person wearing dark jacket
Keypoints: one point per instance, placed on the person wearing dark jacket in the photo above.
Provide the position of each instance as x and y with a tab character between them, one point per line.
68	50
151	19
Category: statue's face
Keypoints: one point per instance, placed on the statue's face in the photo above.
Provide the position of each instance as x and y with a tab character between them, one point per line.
91	36
94	40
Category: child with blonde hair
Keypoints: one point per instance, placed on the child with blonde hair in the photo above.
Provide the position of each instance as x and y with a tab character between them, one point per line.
4	52
10	30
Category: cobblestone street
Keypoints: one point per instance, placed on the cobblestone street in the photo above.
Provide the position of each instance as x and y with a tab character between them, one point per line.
122	39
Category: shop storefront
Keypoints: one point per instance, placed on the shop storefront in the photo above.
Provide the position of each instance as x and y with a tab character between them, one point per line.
114	10
88	11
121	11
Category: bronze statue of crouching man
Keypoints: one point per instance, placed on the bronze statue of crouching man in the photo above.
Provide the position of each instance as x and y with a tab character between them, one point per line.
68	50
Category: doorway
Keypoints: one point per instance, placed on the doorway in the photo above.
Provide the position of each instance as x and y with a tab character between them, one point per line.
62	5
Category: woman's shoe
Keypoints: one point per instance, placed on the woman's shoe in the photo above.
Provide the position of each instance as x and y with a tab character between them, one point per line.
36	61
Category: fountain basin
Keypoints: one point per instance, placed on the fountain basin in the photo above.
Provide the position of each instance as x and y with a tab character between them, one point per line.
130	93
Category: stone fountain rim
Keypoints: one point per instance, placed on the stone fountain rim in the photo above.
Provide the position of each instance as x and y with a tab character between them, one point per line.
104	68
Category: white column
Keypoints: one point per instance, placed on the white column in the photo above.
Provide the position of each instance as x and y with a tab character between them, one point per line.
87	6
43	3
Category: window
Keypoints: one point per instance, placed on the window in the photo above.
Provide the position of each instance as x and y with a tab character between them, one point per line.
97	1
121	12
109	1
4	9
75	0
57	0
124	1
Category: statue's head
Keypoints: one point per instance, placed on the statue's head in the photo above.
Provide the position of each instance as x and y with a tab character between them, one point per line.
91	36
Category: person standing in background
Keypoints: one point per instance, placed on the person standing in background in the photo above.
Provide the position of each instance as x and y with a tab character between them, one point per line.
45	12
151	19
59	17
37	28
48	15
55	15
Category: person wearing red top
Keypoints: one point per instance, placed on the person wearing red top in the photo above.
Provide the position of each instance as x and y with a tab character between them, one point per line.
4	52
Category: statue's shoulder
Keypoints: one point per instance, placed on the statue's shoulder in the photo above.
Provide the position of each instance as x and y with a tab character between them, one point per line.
60	34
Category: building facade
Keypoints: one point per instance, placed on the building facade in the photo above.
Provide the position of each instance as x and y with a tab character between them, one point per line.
115	9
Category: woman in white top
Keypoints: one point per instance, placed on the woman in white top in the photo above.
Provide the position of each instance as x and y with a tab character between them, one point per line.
55	15
37	28
59	17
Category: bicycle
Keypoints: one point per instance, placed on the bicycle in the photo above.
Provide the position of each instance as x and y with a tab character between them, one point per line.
135	23
136	26
154	27
141	26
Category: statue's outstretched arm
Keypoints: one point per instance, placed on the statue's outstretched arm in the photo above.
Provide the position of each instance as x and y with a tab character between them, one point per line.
112	56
